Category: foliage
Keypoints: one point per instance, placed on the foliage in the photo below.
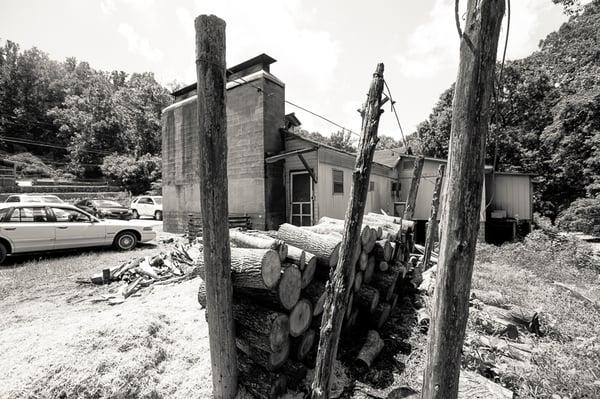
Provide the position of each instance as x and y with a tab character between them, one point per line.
341	139
547	121
80	114
583	215
29	165
387	143
135	174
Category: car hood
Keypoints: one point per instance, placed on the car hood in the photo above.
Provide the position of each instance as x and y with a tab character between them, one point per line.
113	209
119	223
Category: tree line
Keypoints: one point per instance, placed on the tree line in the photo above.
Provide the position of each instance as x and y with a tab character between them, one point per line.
73	115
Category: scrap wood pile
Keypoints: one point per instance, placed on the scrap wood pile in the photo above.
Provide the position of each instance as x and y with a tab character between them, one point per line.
175	265
279	280
501	337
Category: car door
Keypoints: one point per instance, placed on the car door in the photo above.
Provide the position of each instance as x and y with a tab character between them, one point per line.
75	229
144	206
29	229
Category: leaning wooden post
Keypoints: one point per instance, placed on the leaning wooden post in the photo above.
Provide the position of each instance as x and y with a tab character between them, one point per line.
411	201
462	202
433	223
212	127
340	286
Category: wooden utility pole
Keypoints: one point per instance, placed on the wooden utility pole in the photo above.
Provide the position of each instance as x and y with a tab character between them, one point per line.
340	286
462	202
433	223
411	201
212	129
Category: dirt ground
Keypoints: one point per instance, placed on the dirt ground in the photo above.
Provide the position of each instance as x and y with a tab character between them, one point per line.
56	341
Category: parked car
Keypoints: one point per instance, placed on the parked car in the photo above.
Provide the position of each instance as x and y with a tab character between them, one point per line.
102	208
36	227
147	205
53	199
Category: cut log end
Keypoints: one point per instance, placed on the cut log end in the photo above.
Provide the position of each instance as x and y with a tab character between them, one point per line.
300	318
290	286
280	331
271	268
308	274
303	344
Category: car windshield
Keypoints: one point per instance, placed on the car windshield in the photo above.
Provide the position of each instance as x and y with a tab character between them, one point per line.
107	204
51	199
157	200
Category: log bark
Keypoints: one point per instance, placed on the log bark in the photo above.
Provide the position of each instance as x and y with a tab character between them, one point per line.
411	201
337	225
462	202
367	299
283	297
371	349
258	340
358	280
302	345
270	360
212	144
300	317
369	271
295	373
251	268
386	282
315	293
380	315
338	290
258	381
432	225
296	256
275	325
324	247
382	250
242	240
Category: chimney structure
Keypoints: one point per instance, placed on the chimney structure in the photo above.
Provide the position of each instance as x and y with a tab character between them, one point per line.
255	113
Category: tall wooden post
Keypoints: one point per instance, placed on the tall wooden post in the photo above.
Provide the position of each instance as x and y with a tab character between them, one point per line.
212	126
411	201
460	209
433	223
339	288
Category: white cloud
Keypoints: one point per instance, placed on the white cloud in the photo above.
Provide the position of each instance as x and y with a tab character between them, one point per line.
138	44
271	26
108	6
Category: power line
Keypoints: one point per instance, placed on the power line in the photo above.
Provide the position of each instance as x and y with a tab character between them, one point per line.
302	108
17	140
392	102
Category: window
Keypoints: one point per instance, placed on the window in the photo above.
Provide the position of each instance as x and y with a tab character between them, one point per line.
145	200
338	181
3	213
13	198
28	215
396	186
371	186
70	215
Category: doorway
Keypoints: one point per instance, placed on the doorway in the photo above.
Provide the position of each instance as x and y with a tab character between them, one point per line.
301	193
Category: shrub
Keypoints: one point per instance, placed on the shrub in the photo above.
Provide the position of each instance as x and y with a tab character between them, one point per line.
136	175
582	215
30	165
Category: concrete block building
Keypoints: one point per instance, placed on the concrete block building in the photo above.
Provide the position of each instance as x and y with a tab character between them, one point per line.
277	176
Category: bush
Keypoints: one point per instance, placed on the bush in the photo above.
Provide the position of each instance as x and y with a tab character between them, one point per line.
136	175
582	215
30	165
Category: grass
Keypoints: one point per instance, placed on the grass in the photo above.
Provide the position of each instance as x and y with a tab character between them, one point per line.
566	361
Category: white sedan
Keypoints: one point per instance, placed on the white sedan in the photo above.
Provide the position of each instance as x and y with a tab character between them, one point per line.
35	227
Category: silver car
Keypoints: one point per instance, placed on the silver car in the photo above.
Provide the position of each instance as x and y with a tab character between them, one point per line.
35	227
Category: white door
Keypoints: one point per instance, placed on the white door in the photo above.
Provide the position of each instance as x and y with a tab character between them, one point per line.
145	206
301	193
29	230
77	229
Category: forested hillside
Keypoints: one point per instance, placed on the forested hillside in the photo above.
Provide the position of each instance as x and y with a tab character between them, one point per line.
73	116
548	119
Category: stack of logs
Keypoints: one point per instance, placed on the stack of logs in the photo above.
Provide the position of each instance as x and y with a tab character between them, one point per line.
279	280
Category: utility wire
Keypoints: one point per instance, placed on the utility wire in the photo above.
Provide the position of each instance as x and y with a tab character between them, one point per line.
395	113
17	140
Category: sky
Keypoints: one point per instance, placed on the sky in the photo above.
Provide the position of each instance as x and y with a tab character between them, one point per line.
326	51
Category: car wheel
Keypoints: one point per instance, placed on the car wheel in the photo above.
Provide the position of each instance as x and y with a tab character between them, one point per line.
125	241
158	215
2	253
135	214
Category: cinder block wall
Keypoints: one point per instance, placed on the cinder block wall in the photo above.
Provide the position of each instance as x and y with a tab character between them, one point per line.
253	121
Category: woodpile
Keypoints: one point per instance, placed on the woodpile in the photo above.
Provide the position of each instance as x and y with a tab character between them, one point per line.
176	265
279	280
